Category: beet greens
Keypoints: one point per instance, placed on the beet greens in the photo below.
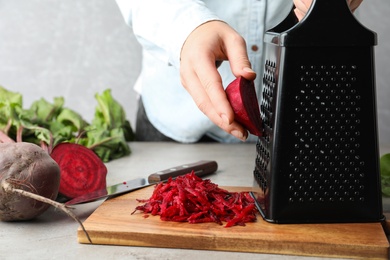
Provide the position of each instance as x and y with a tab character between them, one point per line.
48	124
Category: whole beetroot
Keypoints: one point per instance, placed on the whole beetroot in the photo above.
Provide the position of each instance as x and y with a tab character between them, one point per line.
26	167
29	182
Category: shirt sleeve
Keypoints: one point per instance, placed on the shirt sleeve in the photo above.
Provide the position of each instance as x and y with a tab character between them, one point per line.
162	27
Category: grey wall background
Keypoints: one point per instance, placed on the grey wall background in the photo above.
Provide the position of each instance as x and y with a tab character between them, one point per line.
69	48
75	48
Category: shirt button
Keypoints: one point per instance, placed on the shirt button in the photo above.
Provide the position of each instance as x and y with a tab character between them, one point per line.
255	48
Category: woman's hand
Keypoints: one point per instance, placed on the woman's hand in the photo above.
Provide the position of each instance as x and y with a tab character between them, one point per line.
302	6
211	42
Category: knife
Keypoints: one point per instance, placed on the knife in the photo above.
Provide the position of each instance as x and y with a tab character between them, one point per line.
200	169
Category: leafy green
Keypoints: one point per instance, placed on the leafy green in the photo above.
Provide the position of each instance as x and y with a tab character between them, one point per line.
10	109
49	124
10	96
110	131
385	174
45	111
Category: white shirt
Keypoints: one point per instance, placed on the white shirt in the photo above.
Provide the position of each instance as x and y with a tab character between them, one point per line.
162	26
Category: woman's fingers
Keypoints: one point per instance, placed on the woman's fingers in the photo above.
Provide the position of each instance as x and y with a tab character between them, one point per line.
211	42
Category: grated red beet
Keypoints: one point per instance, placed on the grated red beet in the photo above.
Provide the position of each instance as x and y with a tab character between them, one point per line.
189	198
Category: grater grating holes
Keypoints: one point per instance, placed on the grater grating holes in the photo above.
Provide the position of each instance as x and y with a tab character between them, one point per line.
263	143
262	161
267	93
327	167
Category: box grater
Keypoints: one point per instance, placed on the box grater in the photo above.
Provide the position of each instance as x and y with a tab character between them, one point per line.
318	161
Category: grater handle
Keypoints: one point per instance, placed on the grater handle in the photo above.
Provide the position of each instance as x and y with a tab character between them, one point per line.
329	23
328	10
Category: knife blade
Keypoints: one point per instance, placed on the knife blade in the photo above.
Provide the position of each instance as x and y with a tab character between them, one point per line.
200	169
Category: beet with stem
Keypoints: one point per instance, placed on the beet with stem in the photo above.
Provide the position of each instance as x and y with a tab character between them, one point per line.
27	167
82	171
29	182
242	97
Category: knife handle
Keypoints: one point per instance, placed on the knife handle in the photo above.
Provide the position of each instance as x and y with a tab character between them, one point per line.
200	169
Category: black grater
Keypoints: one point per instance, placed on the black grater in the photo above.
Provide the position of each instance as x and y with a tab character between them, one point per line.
318	160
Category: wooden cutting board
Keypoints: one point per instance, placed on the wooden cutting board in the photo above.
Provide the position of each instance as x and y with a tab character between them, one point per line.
113	224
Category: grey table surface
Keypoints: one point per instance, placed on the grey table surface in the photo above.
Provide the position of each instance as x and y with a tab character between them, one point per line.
53	235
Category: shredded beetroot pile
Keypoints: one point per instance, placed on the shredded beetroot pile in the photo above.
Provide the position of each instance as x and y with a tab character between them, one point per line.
188	198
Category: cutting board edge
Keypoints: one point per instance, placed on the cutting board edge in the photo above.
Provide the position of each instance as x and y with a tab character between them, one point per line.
255	246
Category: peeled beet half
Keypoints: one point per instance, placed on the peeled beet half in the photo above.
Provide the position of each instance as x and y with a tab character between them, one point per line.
82	171
242	97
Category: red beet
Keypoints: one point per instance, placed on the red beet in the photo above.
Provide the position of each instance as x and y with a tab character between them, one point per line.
82	171
190	199
26	168
29	182
242	97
